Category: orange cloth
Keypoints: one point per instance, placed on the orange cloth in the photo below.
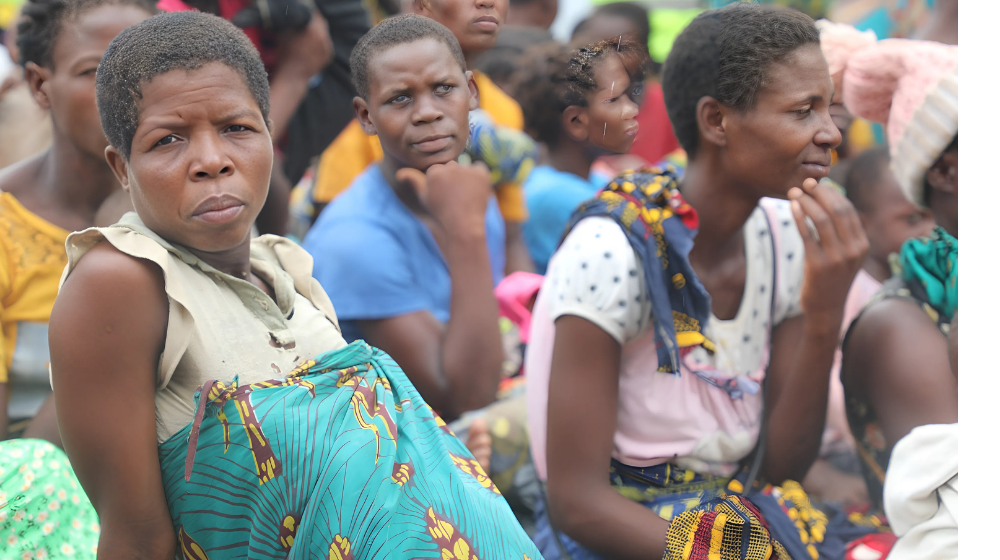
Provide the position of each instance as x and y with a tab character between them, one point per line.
353	150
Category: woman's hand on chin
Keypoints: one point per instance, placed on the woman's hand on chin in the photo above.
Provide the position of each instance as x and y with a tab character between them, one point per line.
835	246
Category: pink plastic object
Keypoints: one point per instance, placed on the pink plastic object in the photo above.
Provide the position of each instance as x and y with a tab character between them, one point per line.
513	294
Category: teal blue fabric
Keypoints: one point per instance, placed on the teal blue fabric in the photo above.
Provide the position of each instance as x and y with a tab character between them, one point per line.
930	268
341	460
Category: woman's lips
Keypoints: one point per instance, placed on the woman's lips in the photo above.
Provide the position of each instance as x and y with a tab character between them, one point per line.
816	170
486	23
219	209
223	216
433	144
632	131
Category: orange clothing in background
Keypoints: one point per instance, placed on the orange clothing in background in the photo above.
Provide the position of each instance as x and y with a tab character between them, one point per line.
353	150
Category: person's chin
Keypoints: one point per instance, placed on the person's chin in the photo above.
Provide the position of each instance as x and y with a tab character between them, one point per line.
626	145
222	241
481	41
423	161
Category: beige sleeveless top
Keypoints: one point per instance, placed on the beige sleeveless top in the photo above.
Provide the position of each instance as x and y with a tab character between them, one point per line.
220	327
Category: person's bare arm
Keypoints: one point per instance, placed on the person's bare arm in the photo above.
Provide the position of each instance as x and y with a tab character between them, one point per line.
898	358
518	257
953	345
455	367
303	55
802	348
44	424
4	398
583	407
106	334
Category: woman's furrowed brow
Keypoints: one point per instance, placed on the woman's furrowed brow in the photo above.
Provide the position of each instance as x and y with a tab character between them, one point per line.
241	113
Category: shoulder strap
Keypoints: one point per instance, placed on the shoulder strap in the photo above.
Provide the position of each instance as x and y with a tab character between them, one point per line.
759	450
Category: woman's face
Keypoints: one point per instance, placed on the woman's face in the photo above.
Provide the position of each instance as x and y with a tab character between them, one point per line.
787	137
418	103
67	89
475	23
612	107
200	163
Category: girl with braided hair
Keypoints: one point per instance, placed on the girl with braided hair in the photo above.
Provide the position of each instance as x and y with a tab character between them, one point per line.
66	188
579	104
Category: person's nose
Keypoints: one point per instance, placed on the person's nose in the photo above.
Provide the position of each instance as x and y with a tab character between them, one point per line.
426	110
488	4
828	135
631	109
210	160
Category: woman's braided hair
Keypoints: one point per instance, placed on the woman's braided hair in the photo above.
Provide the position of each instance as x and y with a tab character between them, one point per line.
553	77
41	22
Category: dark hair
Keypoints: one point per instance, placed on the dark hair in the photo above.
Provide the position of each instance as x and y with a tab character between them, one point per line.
726	54
632	11
397	30
553	77
864	174
41	22
165	42
541	87
501	62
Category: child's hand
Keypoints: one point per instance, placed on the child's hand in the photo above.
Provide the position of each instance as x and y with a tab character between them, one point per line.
835	251
455	195
480	443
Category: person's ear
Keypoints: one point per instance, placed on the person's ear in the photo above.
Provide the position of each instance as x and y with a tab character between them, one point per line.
364	117
39	79
473	91
575	121
421	7
119	166
711	121
941	176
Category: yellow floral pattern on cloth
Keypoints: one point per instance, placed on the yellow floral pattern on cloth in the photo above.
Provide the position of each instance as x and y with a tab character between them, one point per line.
810	521
660	226
44	512
347	460
453	544
472	468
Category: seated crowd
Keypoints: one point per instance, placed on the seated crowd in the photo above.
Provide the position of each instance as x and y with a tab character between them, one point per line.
526	299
